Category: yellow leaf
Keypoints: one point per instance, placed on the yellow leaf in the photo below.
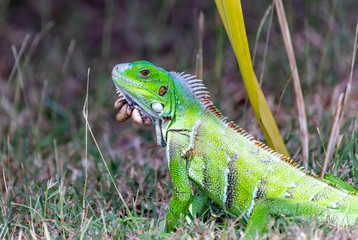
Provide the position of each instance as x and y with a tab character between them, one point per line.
231	14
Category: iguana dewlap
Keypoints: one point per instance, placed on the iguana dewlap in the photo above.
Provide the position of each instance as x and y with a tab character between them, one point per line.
227	165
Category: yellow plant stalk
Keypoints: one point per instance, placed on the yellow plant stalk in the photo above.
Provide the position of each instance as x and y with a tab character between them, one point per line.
231	14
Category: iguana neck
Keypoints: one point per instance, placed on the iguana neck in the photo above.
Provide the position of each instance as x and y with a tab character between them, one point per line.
187	106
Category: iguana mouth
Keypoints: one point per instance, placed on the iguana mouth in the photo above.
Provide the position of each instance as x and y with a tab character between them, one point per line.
125	104
127	108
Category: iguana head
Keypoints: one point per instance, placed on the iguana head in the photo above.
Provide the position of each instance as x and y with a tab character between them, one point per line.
146	87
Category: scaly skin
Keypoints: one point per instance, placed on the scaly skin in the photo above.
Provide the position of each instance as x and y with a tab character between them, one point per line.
227	165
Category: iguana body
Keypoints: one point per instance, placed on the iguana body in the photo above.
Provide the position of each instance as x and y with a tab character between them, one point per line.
238	173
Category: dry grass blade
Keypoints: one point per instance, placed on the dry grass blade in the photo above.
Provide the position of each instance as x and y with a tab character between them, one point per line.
262	22
84	228
17	58
266	45
85	112
199	56
70	50
349	84
333	136
233	20
296	79
46	232
88	128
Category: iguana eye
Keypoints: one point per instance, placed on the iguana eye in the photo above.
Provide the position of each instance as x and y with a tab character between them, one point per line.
144	72
162	90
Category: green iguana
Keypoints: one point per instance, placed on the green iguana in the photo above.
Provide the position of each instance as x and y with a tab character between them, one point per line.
238	173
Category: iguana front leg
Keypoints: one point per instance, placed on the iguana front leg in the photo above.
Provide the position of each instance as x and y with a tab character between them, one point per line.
276	206
181	186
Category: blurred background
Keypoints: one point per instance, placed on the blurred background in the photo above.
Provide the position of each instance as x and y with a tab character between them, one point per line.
47	48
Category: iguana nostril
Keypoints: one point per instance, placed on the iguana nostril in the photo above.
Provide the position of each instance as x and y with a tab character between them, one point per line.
115	69
120	68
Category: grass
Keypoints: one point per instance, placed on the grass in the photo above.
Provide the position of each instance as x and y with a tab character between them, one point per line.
54	182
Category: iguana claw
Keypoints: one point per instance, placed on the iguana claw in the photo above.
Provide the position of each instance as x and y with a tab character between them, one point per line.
125	111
